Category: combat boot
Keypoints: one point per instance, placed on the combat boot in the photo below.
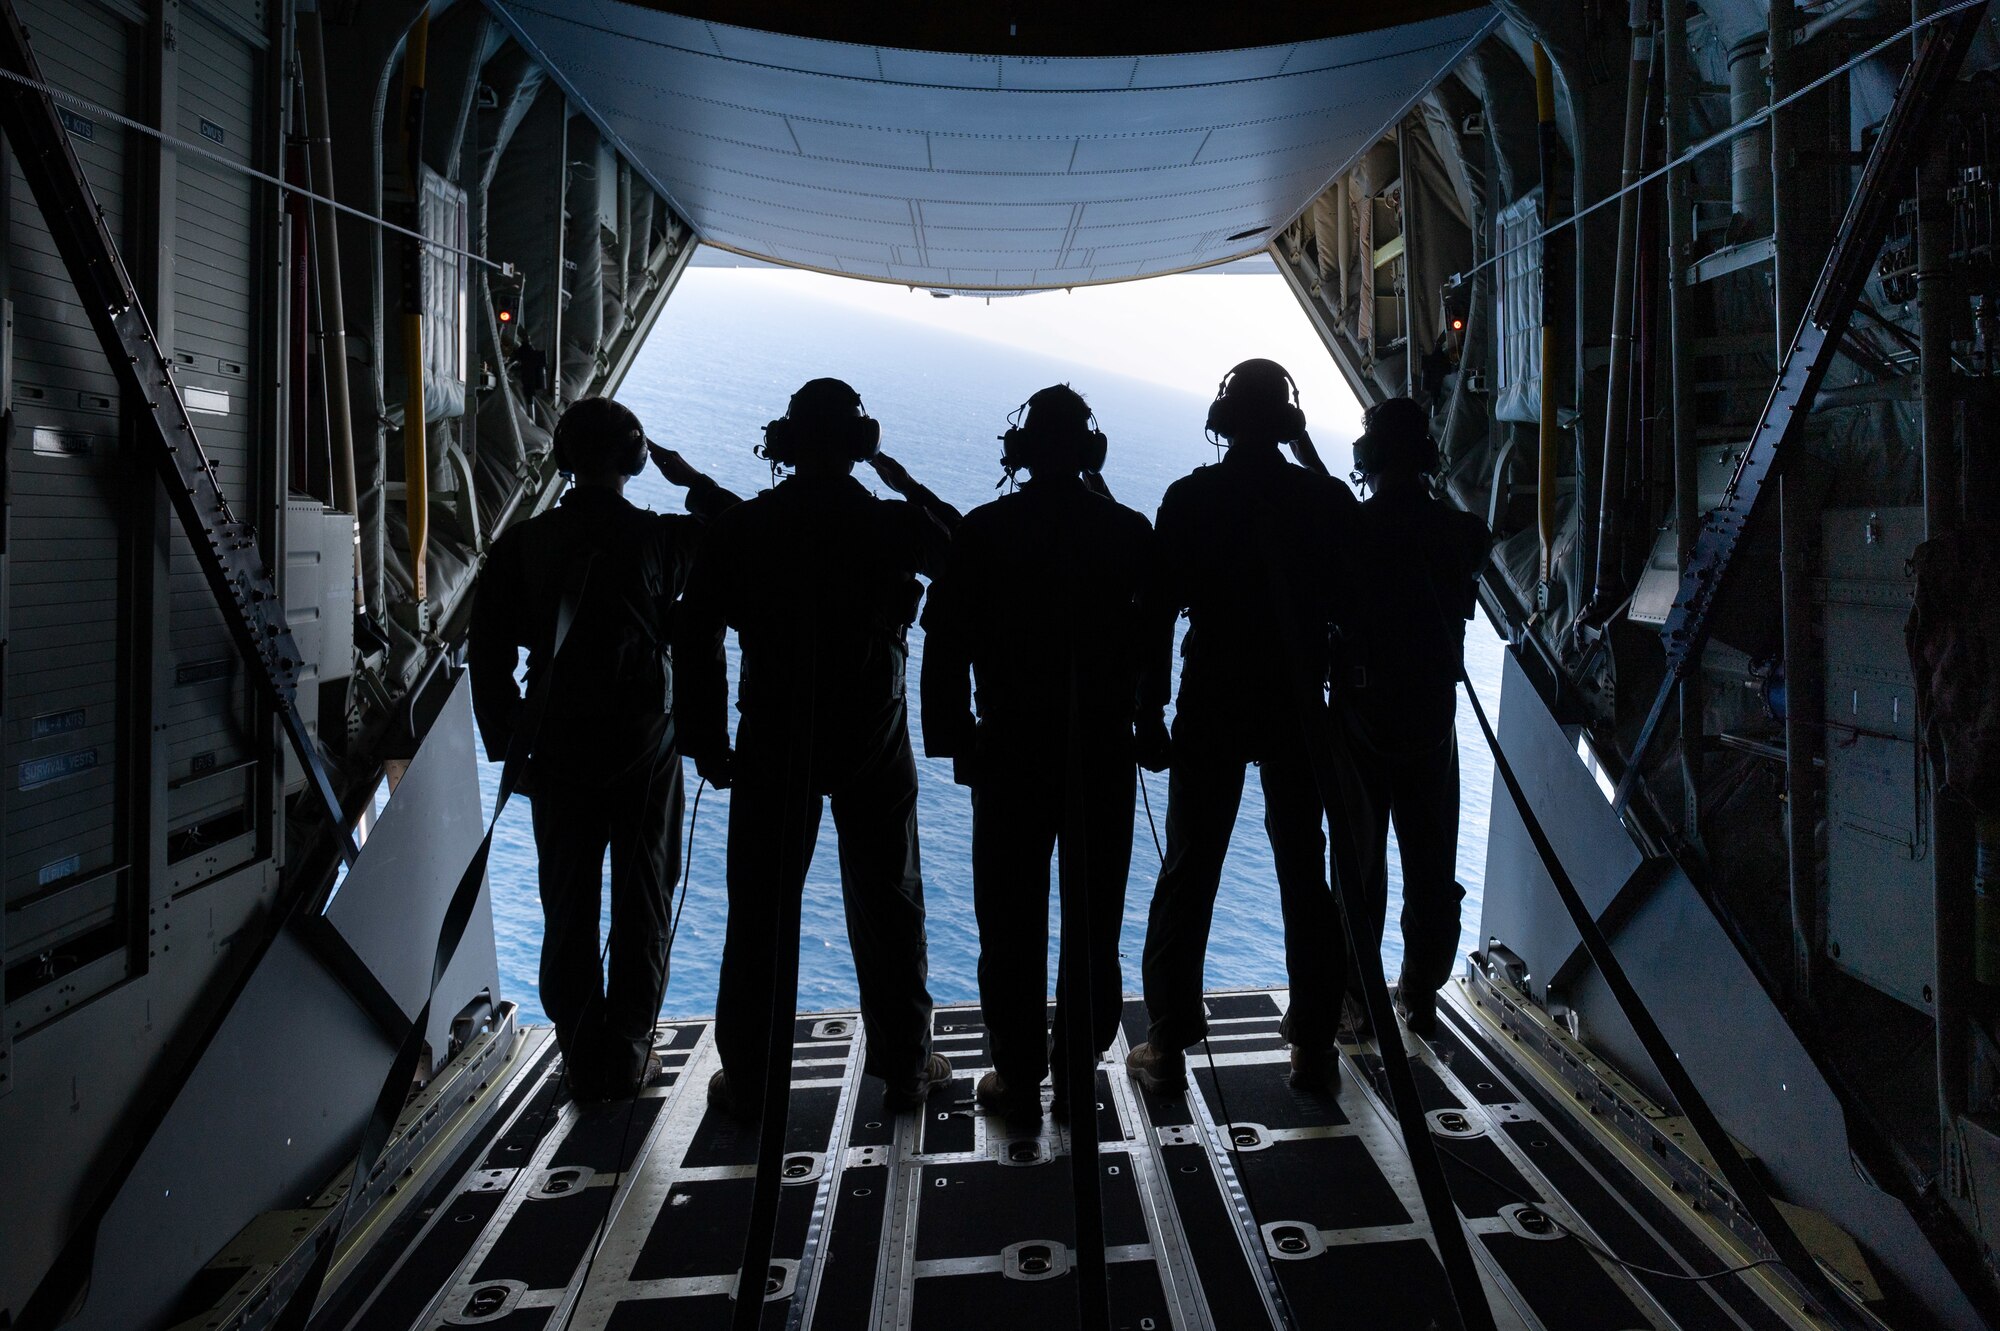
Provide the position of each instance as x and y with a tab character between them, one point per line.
1316	1070
912	1094
1418	1009
1162	1071
1009	1102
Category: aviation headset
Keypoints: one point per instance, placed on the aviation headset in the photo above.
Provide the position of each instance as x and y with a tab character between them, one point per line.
593	432
1072	436
1257	396
825	412
1396	437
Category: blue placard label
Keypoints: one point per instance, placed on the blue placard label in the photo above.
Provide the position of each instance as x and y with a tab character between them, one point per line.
80	126
212	131
58	723
41	771
56	870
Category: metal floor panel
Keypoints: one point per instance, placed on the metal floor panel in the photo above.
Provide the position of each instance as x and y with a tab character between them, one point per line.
1248	1205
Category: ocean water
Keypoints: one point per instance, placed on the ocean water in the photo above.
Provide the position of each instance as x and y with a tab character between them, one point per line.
720	363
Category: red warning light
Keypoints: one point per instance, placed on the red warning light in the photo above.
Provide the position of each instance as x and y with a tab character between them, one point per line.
507	316
1458	325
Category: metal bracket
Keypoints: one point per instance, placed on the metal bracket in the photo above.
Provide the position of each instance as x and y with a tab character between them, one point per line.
1919	97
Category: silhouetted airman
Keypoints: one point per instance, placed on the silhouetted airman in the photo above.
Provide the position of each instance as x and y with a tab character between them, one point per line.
1415	569
605	770
819	579
1039	602
1249	549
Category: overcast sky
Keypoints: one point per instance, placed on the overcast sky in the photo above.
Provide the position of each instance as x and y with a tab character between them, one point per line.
1161	329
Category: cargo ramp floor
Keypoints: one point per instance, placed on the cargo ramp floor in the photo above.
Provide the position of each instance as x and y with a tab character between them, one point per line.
1247	1205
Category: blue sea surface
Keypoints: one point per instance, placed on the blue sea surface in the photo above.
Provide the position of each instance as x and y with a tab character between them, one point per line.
721	362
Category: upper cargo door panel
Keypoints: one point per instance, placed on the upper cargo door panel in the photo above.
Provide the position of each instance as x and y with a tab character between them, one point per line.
985	171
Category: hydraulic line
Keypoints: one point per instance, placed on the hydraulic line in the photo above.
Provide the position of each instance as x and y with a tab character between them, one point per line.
416	457
333	309
1918	96
1680	393
1618	388
1545	475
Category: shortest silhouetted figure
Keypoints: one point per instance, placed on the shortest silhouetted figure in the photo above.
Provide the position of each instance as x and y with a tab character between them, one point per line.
601	575
819	579
1414	573
1039	600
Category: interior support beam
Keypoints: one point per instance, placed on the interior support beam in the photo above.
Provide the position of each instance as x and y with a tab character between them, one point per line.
1346	357
1925	85
226	549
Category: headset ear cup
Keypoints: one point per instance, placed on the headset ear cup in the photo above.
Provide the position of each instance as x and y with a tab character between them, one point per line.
557	453
1224	416
867	437
1295	421
640	453
777	439
1094	451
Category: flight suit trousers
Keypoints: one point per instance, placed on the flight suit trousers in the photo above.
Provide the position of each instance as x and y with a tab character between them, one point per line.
772	831
1020	814
1203	794
1419	793
604	1023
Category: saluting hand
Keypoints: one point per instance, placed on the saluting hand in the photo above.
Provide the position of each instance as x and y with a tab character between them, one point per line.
1308	455
893	473
677	469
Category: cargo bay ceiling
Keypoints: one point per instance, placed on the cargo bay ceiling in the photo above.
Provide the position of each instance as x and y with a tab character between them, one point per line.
991	170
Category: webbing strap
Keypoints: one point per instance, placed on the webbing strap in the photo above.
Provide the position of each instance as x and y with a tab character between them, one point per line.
760	1233
1742	1178
1336	780
298	1308
1077	994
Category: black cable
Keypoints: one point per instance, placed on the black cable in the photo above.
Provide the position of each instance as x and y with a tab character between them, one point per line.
1157	848
761	1232
687	866
1638	1267
1076	1008
1598	1248
1215	1079
1443	1144
666	974
1469	1306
